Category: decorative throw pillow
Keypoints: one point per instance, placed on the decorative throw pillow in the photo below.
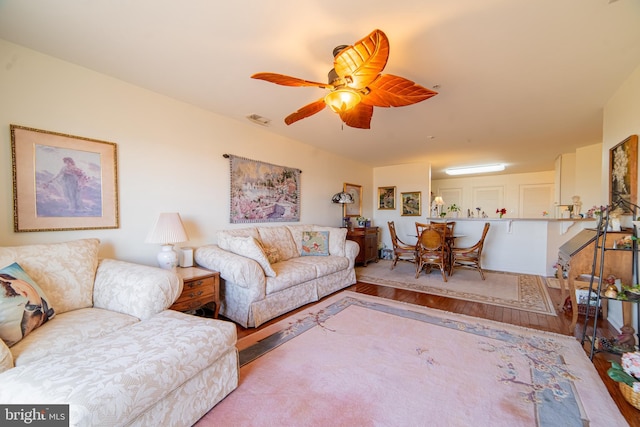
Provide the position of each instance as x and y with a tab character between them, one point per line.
337	239
273	255
315	243
250	247
23	304
280	238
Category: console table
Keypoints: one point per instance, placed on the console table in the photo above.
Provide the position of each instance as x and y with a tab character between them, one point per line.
367	239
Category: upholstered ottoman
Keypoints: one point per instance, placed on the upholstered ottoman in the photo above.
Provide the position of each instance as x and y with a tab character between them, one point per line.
166	370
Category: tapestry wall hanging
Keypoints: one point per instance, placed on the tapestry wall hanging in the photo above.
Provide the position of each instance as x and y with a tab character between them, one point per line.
262	192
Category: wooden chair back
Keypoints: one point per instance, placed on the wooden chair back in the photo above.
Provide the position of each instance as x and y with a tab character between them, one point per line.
401	250
470	257
433	250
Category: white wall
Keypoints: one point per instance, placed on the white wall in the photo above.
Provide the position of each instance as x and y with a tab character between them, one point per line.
406	178
169	153
621	119
588	176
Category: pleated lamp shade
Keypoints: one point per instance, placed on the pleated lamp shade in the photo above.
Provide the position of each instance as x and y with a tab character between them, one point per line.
167	230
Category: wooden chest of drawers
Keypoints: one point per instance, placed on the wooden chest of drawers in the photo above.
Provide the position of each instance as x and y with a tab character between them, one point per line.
200	288
367	239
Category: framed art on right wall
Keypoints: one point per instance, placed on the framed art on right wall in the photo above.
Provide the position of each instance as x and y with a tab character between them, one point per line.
411	203
623	172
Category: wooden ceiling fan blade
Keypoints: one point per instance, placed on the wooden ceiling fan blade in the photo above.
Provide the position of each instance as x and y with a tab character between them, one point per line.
306	111
358	116
281	79
364	61
395	91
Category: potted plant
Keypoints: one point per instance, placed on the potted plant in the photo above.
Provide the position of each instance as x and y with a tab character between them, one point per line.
454	209
627	374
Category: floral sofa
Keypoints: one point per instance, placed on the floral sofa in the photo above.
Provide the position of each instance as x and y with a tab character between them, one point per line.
268	271
108	346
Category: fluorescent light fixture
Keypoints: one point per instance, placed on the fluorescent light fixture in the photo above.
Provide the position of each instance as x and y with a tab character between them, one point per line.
475	169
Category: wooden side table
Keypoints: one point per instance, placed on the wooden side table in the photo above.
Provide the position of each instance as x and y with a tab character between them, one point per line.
367	239
200	288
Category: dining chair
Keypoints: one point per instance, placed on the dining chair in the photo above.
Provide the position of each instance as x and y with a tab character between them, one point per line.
432	250
451	225
401	250
447	226
470	257
420	226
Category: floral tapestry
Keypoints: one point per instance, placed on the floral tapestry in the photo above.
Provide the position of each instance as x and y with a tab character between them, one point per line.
262	192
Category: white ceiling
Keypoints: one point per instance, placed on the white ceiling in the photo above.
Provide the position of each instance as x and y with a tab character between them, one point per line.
521	81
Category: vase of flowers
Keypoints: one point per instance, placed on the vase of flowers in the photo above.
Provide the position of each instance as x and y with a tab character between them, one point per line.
627	374
501	212
454	209
596	211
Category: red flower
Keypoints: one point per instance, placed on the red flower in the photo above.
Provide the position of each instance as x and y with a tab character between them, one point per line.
502	211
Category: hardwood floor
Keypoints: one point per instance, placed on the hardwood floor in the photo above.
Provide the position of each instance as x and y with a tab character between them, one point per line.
559	324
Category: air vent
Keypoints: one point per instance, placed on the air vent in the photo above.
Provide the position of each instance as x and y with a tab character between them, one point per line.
256	118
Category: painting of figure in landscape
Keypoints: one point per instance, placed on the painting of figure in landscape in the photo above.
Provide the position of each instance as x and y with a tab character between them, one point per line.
68	182
262	192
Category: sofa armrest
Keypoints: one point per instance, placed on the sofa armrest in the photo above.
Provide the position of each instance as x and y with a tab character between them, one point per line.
134	289
6	357
351	250
242	271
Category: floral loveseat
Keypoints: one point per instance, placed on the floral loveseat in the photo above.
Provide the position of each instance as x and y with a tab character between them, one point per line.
266	271
110	348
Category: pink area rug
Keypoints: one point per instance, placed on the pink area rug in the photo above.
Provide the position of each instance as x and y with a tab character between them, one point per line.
356	360
520	291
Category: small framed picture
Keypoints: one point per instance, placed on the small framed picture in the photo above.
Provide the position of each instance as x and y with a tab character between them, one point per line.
411	203
386	197
355	208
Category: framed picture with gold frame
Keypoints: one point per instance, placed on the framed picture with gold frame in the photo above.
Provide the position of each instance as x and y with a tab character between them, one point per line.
411	203
353	209
63	182
386	198
623	173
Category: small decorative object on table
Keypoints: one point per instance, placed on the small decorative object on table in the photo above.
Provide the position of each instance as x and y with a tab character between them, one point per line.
627	374
362	221
576	207
611	291
502	211
625	242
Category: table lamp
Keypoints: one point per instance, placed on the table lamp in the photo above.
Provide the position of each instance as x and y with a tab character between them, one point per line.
439	203
167	230
343	198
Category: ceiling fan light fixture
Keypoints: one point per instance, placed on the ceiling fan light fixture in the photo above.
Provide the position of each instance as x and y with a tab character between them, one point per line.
341	100
356	84
475	169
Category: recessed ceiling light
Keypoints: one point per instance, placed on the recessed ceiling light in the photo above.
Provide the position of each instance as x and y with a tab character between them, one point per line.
475	169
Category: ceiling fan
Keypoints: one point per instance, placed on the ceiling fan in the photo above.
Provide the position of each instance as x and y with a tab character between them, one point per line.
356	84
